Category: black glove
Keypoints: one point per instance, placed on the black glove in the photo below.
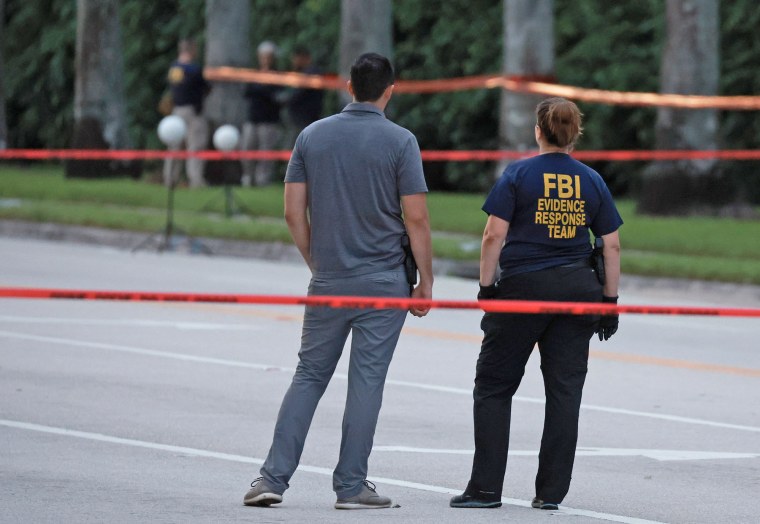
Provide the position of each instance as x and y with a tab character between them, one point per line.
488	292
608	324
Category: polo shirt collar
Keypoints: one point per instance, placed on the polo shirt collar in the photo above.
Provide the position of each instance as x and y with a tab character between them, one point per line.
364	107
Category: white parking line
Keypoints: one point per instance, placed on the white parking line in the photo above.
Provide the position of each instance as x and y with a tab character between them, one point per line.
662	455
404	383
127	322
99	437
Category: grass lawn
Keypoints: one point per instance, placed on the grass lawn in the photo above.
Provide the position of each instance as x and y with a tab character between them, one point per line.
703	248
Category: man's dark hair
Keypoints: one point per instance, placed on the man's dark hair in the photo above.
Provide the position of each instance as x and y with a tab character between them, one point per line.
371	74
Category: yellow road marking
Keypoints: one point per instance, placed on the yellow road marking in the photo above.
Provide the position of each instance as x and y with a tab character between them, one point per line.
476	339
674	363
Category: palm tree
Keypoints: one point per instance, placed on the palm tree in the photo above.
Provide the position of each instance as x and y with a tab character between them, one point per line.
228	43
690	65
3	126
528	51
365	26
99	66
100	116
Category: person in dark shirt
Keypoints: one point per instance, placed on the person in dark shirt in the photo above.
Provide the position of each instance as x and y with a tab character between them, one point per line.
263	130
304	106
188	89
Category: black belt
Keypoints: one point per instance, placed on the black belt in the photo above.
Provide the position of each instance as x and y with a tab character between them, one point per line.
578	263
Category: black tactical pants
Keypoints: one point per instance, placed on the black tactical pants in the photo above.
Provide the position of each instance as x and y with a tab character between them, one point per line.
563	342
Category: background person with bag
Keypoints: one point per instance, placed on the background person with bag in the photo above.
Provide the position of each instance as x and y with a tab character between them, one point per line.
188	88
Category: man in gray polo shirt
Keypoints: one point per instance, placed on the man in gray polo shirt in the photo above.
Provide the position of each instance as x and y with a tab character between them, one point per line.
353	187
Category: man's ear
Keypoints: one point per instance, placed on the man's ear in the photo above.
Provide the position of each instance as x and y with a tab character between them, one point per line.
388	92
350	88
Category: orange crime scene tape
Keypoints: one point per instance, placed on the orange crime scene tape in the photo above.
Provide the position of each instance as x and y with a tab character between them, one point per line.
493	306
427	156
509	83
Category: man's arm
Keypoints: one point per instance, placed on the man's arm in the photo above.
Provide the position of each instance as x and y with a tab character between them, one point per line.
611	264
418	228
493	240
296	204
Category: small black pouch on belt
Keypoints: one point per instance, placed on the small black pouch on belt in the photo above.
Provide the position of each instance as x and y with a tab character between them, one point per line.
597	260
410	265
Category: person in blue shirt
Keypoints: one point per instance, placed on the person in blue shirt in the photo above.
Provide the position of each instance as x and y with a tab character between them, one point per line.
540	213
188	89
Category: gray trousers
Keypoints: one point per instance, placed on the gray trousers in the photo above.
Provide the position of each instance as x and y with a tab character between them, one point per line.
259	137
374	334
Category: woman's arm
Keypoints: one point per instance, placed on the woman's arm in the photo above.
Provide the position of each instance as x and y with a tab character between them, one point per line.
494	236
611	264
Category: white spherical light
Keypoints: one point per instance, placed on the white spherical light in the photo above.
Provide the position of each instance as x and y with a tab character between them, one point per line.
172	130
226	138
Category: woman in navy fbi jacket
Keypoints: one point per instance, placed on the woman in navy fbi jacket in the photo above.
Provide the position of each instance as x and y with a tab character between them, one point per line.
540	213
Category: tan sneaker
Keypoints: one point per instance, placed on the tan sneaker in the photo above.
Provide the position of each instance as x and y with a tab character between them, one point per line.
261	494
366	499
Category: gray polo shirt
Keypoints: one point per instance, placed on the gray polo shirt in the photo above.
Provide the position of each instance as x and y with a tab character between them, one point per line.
356	165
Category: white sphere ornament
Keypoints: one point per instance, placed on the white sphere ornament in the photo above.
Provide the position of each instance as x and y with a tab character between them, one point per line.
172	130
226	138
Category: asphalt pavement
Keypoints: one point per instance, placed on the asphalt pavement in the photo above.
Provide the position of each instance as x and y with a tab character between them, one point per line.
163	412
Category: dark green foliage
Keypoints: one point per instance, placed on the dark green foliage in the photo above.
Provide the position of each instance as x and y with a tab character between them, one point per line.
445	40
312	23
151	31
599	44
39	71
740	75
613	46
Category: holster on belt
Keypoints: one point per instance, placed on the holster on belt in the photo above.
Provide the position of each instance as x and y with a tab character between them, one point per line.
597	260
410	265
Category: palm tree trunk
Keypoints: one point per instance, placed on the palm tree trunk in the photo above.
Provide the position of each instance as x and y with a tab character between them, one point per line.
528	44
228	43
100	116
690	65
3	125
365	26
99	65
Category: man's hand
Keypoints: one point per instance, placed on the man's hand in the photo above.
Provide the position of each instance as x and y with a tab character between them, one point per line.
421	291
488	292
417	224
608	324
